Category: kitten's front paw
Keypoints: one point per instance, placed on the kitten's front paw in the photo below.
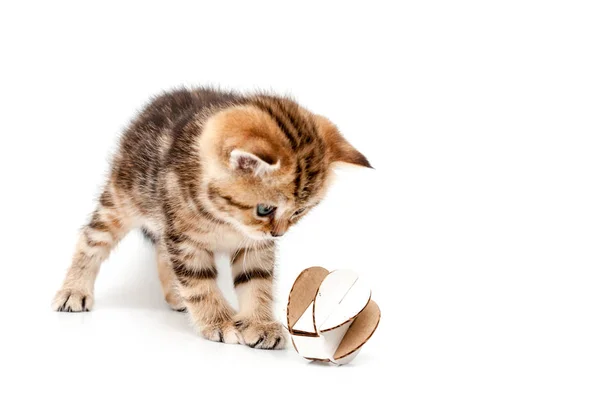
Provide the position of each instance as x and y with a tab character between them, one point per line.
73	300
223	332
261	334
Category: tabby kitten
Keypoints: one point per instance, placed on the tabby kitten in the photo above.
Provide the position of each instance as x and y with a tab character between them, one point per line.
204	171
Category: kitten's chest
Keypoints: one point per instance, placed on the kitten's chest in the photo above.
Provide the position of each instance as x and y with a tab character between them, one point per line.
222	239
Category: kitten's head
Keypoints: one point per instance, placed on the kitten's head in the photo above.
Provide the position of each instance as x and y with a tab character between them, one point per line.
266	163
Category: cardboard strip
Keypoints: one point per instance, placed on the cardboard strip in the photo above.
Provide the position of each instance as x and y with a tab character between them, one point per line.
310	346
305	323
303	293
354	300
360	331
331	293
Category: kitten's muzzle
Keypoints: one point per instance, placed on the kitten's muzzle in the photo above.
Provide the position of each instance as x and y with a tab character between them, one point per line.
278	228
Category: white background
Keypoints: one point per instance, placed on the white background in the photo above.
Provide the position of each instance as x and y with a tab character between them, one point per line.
479	229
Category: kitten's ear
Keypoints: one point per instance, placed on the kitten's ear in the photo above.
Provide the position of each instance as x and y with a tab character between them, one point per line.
244	161
341	150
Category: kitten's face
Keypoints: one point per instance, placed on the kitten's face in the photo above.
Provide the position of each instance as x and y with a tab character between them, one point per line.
264	207
269	163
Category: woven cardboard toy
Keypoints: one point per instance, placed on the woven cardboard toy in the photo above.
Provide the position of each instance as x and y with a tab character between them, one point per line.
330	315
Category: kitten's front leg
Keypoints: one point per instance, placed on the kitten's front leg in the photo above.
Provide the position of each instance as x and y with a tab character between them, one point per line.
196	274
253	281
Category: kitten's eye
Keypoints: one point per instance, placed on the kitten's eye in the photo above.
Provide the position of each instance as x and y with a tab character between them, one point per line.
263	210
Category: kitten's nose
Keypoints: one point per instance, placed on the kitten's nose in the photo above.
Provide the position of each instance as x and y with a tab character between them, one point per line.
279	228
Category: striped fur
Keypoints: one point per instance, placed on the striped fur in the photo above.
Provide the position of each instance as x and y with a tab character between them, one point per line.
190	172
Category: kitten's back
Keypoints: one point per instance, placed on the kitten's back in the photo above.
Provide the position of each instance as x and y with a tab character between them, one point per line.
145	143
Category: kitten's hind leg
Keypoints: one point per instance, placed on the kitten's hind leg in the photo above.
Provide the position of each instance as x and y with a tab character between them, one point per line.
168	280
106	228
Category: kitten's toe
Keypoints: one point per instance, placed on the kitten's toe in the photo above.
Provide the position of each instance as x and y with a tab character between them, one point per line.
72	300
261	334
224	332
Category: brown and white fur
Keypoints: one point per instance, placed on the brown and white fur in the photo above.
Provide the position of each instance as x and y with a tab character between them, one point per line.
190	171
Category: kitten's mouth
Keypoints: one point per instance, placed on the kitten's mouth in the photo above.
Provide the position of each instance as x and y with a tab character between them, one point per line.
268	236
258	236
262	236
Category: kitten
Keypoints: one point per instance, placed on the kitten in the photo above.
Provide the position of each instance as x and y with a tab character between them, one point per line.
201	171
